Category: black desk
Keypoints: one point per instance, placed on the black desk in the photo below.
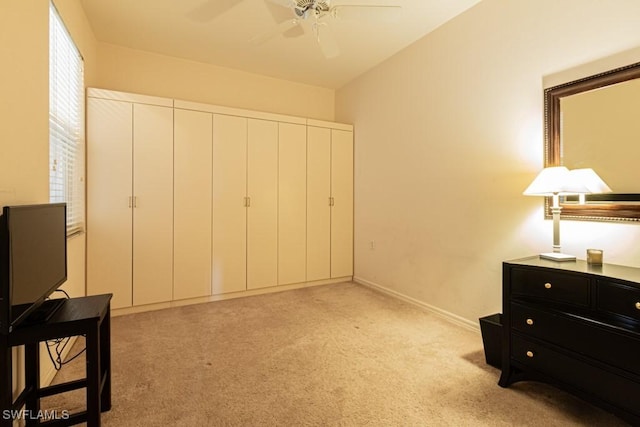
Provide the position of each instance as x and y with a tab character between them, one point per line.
88	316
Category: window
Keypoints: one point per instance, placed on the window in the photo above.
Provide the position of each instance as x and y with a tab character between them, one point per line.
66	123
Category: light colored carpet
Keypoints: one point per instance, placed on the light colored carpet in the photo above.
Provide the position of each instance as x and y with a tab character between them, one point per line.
336	355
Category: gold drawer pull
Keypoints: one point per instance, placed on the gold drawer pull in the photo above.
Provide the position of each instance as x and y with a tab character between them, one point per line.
529	353
638	305
529	322
547	285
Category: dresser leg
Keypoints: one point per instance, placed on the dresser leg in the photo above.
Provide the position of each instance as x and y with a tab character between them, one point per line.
505	378
512	375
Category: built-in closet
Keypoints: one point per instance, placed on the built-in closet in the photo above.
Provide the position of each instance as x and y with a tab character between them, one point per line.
188	201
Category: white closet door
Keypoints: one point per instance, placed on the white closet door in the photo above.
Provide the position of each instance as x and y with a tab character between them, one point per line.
153	204
109	139
342	209
318	209
262	213
229	211
193	134
292	203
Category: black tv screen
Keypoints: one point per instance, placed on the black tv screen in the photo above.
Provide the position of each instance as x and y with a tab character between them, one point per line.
36	255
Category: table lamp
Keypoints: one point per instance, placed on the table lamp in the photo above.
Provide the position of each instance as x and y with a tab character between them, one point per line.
591	180
555	182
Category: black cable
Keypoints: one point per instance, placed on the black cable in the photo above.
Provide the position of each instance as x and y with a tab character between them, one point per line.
64	292
70	359
60	344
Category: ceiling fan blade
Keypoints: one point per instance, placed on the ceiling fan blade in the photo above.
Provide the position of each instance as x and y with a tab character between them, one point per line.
365	12
283	3
277	29
327	43
279	13
294	32
211	9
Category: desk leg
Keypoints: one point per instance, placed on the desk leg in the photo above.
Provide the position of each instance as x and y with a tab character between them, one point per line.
6	380
32	381
93	376
105	360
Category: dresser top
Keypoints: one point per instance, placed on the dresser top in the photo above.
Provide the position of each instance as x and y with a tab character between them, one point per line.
613	271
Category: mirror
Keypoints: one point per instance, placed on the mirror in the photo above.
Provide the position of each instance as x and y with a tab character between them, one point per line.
593	122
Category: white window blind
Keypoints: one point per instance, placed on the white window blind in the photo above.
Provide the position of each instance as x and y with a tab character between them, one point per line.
66	123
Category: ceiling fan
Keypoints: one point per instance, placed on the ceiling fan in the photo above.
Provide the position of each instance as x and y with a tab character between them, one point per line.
319	14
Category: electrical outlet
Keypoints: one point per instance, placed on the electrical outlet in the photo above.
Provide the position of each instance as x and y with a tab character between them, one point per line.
372	244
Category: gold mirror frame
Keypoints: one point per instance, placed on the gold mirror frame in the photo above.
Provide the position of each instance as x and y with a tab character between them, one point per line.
599	207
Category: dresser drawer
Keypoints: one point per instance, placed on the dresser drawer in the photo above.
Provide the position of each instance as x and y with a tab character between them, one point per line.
607	345
566	368
619	299
551	286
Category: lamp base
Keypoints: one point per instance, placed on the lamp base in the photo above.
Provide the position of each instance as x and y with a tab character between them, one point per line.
557	256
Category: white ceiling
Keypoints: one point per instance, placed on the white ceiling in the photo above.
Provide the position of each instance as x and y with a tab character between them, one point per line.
219	32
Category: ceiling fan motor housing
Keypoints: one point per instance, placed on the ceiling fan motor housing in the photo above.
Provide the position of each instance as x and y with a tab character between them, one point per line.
303	6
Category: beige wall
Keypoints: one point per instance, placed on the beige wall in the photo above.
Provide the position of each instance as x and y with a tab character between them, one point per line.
448	134
24	129
24	85
148	73
24	134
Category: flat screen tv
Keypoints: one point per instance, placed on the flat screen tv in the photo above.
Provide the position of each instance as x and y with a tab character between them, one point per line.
33	258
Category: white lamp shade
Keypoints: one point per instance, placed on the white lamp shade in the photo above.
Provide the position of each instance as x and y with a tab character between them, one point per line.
555	180
591	180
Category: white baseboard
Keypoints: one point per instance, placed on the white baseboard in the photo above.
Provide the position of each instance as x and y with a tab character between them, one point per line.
454	318
220	297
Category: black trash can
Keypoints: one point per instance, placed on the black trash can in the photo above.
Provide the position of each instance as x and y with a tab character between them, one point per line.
491	328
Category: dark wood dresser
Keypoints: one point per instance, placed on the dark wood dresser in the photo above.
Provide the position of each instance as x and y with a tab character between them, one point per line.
575	326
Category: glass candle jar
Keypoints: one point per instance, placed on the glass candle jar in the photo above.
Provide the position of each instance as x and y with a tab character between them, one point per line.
594	256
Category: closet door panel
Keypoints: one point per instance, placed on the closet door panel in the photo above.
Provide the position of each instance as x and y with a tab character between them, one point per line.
193	136
292	203
342	210
153	204
229	211
318	209
109	217
262	213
